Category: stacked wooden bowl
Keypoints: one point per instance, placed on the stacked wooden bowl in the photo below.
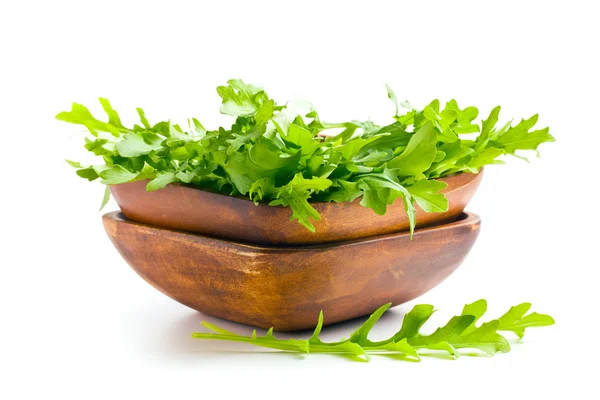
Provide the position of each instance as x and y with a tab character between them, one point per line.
227	257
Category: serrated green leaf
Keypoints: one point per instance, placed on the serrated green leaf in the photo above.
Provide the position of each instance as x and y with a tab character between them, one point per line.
296	194
161	180
240	99
269	157
133	145
418	155
476	309
117	174
361	334
425	193
516	321
459	333
113	117
81	115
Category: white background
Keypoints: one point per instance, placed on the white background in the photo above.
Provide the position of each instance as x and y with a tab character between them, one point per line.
78	323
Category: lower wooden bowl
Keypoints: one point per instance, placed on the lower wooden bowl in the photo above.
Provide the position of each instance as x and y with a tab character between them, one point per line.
286	287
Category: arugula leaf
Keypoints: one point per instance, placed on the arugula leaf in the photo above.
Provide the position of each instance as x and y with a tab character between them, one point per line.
516	321
143	118
267	155
88	173
459	333
427	197
106	197
240	99
520	137
418	154
117	174
161	180
134	145
296	194
113	117
392	97
382	189
268	340
274	154
476	309
82	116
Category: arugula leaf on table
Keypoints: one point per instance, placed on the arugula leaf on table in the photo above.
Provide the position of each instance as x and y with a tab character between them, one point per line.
516	321
460	332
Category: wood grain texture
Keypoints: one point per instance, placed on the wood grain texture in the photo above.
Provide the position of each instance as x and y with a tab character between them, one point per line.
286	287
192	210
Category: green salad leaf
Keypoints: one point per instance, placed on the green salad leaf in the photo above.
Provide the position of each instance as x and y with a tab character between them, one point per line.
461	332
281	154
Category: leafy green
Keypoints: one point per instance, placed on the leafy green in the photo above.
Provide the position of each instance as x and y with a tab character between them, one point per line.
425	193
461	332
296	194
418	154
276	153
516	321
105	198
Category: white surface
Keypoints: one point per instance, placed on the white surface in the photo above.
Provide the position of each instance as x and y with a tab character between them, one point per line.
78	323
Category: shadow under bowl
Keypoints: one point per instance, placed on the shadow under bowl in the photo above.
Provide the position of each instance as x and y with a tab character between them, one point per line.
286	287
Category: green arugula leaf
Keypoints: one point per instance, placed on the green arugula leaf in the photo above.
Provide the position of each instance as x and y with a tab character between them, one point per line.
382	189
161	180
296	194
113	117
240	99
516	321
82	116
143	118
117	174
520	137
106	197
133	145
268	156
459	333
88	173
427	197
476	309
392	97
418	155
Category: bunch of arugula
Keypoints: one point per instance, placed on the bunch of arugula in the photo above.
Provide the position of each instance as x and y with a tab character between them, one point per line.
273	154
461	332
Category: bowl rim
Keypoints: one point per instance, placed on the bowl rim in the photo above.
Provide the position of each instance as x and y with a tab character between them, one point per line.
465	219
265	203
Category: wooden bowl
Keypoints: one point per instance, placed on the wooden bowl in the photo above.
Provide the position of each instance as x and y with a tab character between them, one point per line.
286	287
189	209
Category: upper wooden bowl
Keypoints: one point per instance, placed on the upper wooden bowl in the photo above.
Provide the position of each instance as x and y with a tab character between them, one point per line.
286	287
189	209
